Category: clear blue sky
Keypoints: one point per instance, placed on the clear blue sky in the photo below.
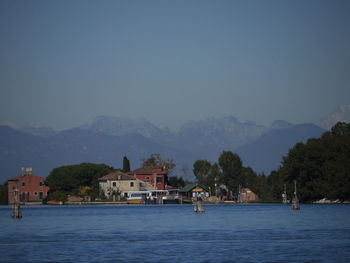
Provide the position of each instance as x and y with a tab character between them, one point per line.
62	63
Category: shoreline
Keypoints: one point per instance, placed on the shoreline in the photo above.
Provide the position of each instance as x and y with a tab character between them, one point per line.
125	203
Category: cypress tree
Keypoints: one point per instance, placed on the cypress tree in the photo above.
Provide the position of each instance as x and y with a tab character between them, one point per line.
126	165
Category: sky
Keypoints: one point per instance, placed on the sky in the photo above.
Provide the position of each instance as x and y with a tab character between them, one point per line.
62	63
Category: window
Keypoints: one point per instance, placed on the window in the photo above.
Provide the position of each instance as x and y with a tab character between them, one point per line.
27	196
35	193
22	197
40	183
114	184
159	179
131	184
23	184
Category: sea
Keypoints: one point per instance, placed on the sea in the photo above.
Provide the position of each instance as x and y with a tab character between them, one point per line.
174	233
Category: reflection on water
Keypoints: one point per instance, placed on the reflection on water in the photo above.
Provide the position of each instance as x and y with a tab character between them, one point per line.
173	233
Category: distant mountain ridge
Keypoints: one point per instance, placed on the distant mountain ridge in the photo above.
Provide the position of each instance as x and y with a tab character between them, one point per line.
340	114
121	126
280	124
208	138
265	153
107	139
19	149
31	129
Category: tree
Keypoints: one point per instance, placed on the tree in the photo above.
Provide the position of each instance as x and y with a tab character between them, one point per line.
321	166
57	196
126	165
247	177
176	182
85	191
155	160
213	179
231	166
261	188
69	179
184	169
201	170
341	129
3	194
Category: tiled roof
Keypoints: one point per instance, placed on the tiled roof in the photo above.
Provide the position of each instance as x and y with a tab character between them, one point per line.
22	176
149	170
190	187
117	175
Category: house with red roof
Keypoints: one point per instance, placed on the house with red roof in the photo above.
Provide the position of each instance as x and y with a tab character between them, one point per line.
31	188
156	176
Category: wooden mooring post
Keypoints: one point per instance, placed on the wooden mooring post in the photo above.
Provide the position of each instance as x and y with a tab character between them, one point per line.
198	206
295	201
16	208
284	196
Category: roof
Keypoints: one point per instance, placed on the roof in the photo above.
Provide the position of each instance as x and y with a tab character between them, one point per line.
17	178
246	190
73	198
149	170
190	187
117	175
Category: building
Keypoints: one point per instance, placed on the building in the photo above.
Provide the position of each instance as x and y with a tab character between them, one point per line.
247	196
118	183
77	200
156	176
31	188
192	190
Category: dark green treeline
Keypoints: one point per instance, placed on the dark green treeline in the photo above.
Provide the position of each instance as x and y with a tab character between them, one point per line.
320	166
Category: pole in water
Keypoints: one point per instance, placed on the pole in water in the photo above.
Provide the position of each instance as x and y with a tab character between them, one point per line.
284	196
198	204
295	201
16	208
16	211
239	197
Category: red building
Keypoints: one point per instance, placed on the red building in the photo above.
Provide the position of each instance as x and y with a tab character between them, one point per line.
156	176
30	187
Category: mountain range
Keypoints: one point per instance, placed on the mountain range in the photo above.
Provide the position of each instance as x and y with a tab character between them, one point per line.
107	139
340	114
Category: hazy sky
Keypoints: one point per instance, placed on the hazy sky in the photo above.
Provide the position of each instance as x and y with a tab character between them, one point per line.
62	63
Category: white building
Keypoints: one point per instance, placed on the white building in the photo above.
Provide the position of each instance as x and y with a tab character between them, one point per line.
118	183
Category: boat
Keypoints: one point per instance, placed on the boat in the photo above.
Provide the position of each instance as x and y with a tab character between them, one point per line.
157	196
172	197
146	197
137	197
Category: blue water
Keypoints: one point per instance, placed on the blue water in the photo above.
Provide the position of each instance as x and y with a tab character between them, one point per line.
173	233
